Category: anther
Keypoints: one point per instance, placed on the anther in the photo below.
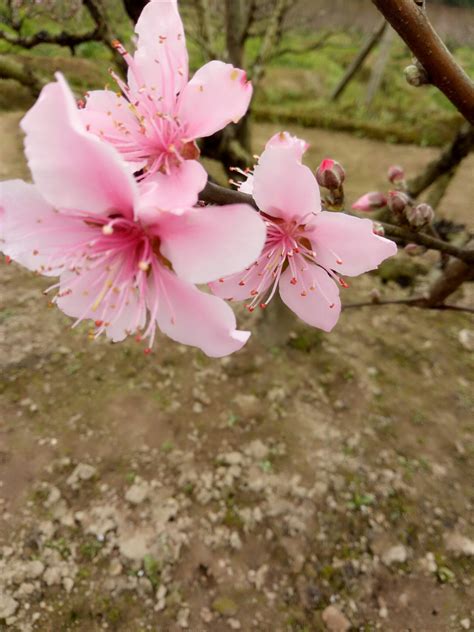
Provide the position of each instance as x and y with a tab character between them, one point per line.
294	281
99	323
147	351
108	229
144	266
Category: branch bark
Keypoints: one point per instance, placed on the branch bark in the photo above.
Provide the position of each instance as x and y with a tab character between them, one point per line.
412	24
43	37
359	60
449	159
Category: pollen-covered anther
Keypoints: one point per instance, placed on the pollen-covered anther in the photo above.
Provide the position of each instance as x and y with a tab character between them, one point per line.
304	293
108	229
339	262
263	305
147	351
144	266
241	283
294	281
254	293
99	323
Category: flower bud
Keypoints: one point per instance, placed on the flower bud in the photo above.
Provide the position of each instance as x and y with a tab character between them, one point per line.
397	202
395	174
370	202
420	215
330	174
416	76
414	250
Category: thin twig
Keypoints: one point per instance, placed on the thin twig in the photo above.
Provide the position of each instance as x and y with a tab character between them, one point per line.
411	302
412	24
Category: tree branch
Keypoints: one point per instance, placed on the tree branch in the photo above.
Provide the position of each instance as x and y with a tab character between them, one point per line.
419	302
43	37
422	239
413	26
215	194
448	160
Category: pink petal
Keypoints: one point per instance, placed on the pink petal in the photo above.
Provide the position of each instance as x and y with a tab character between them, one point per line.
338	237
81	302
108	115
33	233
194	318
285	139
204	244
238	287
161	58
321	306
72	168
176	190
283	187
217	95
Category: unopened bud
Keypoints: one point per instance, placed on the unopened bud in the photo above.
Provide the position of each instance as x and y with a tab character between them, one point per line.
370	202
397	202
416	75
414	250
330	174
395	174
420	215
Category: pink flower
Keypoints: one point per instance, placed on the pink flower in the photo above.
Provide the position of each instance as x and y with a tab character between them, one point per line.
161	113
370	202
307	250
122	261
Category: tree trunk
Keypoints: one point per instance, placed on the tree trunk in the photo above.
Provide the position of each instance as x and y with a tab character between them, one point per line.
379	67
359	60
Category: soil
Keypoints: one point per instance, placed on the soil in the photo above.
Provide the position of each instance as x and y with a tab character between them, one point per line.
321	482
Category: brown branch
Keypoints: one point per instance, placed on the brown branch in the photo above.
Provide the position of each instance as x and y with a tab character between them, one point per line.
422	239
43	37
270	40
215	194
448	160
419	302
319	43
413	26
12	69
98	14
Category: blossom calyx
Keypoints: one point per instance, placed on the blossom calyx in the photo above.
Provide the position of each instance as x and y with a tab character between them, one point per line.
330	174
397	202
395	174
420	215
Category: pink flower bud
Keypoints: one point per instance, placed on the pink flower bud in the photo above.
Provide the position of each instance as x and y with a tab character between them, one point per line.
397	202
414	250
395	174
330	174
420	215
370	202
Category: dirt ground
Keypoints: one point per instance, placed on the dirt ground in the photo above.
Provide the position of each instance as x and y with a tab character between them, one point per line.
321	483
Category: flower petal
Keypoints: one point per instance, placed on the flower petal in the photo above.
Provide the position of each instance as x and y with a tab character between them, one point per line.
176	190
285	139
108	115
33	233
72	168
283	187
161	58
348	244
204	244
238	287
217	95
321	306
195	318
79	297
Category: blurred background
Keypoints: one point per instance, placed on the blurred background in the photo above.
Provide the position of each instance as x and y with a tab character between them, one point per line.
310	482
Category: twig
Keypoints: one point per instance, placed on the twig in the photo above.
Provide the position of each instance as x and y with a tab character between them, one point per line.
411	302
215	194
43	37
422	239
413	26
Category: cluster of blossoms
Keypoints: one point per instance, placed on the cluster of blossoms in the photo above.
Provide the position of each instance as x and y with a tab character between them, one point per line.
403	209
113	209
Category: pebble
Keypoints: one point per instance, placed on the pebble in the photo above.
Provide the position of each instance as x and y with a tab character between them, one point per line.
8	606
459	544
395	555
466	338
82	472
137	493
465	624
335	620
